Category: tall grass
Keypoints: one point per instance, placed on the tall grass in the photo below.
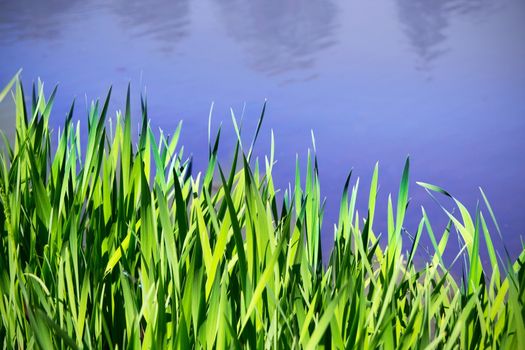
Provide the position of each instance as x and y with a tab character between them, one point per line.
117	245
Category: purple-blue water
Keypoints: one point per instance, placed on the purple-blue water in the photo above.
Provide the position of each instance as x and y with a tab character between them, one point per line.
441	80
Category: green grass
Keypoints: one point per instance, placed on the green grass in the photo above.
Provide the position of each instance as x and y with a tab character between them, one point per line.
114	244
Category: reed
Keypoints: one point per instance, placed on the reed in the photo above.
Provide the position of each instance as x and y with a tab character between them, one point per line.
112	243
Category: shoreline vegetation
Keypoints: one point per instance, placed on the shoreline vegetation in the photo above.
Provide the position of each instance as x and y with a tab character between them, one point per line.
116	244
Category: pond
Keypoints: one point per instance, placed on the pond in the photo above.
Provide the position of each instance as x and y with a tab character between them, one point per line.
442	81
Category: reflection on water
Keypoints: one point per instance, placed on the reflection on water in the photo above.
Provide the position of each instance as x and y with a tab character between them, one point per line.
366	98
162	20
32	20
425	23
280	35
276	36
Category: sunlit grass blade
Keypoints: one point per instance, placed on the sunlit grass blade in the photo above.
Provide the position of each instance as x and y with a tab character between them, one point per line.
108	239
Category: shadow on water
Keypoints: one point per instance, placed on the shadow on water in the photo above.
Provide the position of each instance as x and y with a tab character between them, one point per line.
280	36
425	24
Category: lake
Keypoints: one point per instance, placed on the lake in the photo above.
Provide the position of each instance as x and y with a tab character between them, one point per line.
442	81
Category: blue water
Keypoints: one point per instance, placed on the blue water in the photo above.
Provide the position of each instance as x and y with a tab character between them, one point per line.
442	81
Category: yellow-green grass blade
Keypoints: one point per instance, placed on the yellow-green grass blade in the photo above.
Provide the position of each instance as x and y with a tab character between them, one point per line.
9	85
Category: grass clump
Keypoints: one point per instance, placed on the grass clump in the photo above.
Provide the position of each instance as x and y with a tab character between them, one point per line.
117	245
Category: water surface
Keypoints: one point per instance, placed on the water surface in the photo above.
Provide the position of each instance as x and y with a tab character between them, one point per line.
442	81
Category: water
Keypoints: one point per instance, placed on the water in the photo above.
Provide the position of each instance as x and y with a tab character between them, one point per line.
443	81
